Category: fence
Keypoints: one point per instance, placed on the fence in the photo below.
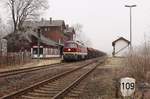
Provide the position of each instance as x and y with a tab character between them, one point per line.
12	59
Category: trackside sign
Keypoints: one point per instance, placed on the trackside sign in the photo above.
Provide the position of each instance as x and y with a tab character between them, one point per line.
127	86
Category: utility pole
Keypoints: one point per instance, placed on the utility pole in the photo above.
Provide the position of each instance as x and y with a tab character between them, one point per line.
130	7
39	43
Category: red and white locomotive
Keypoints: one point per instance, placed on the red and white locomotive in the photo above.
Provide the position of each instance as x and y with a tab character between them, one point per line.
74	50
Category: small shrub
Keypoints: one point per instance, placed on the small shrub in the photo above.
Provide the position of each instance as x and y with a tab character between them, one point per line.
137	64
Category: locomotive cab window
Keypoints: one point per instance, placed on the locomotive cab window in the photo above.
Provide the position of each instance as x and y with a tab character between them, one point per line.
71	45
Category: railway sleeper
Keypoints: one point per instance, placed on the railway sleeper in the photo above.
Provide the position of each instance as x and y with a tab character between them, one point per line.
30	97
46	92
47	89
35	94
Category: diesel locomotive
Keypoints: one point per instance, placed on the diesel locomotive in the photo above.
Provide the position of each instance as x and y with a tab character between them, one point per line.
75	51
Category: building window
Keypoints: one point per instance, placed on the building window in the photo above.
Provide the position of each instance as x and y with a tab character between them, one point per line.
46	29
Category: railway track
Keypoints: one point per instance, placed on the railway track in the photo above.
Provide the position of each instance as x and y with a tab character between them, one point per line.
57	86
30	69
25	70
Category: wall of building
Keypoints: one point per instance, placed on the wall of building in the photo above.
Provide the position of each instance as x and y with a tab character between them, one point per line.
120	45
47	51
56	33
53	33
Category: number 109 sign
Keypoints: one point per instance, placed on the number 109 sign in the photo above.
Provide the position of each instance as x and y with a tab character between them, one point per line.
127	86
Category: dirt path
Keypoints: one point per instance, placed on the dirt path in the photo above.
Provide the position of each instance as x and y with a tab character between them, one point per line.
102	84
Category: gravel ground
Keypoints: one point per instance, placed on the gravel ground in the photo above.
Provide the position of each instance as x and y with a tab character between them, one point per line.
12	83
114	62
16	82
99	86
101	83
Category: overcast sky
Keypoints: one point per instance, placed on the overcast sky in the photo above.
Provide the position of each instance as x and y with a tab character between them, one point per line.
103	20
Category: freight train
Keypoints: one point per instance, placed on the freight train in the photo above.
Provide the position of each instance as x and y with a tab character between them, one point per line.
75	51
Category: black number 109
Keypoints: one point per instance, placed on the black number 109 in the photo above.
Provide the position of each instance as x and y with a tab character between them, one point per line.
128	86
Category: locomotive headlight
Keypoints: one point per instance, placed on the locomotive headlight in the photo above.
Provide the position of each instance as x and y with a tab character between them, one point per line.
69	49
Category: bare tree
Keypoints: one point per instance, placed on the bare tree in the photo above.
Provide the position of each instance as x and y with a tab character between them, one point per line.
80	35
78	28
0	28
3	29
22	10
0	37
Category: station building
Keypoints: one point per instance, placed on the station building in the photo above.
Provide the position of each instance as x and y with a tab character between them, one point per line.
53	35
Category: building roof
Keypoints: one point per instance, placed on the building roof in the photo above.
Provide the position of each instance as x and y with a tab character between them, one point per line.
44	23
43	39
28	34
121	38
49	23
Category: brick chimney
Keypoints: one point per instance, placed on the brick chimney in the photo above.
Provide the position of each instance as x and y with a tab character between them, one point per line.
42	20
50	19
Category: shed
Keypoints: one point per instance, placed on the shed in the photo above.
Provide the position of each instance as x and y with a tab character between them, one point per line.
120	46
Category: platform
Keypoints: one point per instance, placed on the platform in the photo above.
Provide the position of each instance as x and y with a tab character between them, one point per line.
33	63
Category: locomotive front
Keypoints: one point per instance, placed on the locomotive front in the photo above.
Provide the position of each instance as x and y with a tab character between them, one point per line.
74	51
